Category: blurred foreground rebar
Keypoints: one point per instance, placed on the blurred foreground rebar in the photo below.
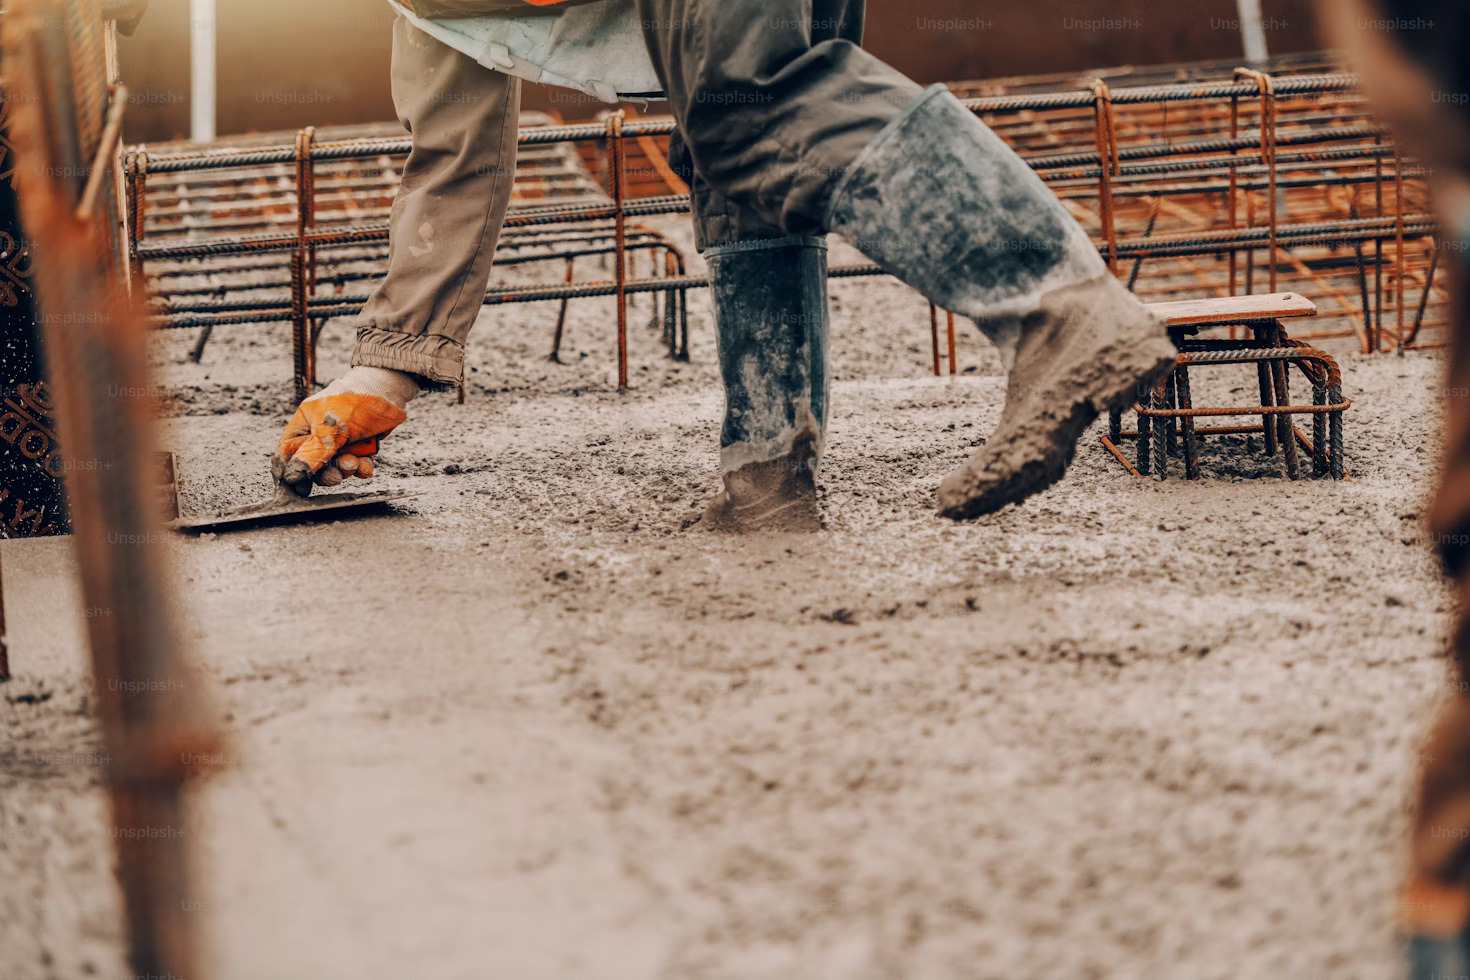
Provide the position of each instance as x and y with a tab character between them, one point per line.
66	125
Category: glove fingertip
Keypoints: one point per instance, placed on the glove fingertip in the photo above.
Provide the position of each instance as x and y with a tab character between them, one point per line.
296	471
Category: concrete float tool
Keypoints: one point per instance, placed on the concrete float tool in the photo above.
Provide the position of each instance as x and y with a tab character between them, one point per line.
287	506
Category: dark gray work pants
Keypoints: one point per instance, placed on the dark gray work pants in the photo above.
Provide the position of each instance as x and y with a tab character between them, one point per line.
775	101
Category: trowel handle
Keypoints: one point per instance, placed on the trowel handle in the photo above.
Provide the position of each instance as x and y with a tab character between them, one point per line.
363	447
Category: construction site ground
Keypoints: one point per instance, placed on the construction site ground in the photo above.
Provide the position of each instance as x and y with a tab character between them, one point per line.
536	727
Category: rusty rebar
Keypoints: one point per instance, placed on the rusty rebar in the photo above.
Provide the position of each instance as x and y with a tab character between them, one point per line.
152	722
1291	136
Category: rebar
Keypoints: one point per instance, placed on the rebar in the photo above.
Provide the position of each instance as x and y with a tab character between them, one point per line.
152	725
1194	183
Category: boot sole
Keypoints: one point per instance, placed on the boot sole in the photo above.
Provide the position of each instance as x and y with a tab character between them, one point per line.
791	516
1045	471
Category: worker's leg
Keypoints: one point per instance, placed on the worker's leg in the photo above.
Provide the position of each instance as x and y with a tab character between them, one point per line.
774	99
447	216
789	119
770	302
442	233
769	292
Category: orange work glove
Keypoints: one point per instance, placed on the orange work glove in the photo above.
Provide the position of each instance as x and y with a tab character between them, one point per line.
334	433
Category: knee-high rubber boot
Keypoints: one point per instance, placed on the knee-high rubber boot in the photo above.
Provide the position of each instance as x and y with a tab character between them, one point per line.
940	201
770	302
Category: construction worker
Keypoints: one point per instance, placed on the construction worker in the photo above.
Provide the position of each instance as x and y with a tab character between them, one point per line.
1411	57
787	131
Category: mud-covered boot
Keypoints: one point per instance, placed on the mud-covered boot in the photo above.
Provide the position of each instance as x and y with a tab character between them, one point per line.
940	201
770	302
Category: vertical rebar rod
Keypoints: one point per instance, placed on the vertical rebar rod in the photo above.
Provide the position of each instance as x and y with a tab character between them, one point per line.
1107	160
1424	297
149	712
1378	252
949	319
620	256
934	335
1398	229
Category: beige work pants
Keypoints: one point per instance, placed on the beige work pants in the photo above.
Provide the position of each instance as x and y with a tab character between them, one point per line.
450	206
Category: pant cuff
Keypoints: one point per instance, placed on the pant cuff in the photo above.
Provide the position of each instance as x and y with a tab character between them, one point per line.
430	356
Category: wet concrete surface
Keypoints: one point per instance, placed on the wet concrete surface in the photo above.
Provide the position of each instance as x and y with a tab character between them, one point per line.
529	727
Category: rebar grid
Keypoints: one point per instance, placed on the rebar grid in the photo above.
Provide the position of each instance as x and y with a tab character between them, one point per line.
339	211
1207	181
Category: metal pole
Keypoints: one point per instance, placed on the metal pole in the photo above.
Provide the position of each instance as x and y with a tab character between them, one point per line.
1252	30
201	70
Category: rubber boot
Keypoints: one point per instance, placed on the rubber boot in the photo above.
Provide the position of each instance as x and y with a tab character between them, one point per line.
940	201
770	302
1433	924
1437	957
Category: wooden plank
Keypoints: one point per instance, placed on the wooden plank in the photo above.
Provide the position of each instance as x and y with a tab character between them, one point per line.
1233	309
